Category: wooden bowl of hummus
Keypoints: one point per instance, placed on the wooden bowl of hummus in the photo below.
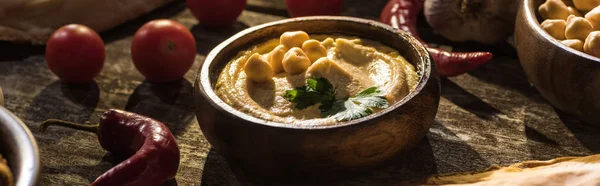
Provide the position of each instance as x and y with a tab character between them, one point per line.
566	77
315	98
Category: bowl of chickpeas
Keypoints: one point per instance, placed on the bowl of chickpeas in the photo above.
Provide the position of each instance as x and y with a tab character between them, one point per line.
558	43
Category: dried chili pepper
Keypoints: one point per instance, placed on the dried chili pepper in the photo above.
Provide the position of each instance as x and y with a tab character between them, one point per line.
402	14
151	148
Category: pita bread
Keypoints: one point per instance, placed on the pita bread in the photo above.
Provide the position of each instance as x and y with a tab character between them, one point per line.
560	171
35	20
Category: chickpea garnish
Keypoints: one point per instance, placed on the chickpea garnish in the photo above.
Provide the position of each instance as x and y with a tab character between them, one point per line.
593	17
555	27
554	9
295	61
314	49
578	28
319	68
574	43
586	5
258	69
293	39
275	58
592	44
574	11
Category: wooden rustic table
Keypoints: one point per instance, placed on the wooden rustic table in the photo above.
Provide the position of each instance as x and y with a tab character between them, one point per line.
491	116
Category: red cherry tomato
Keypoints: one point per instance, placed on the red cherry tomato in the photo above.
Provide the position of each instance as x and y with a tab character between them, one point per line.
75	53
216	13
163	50
299	8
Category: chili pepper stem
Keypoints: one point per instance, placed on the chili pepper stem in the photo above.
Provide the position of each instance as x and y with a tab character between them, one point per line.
83	127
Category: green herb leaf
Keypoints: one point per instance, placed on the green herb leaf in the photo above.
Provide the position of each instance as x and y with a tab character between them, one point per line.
320	90
317	90
358	106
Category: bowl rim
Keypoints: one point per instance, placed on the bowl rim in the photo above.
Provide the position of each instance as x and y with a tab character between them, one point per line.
208	91
30	165
531	19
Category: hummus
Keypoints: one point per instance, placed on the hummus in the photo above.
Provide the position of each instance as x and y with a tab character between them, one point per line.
353	65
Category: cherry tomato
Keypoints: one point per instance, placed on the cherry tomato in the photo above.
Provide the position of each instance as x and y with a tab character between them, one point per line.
75	53
216	13
163	50
299	8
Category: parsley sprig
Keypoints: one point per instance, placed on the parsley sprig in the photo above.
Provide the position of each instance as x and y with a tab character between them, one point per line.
317	90
320	90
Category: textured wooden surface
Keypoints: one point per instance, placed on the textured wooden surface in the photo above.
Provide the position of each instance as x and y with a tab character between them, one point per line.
489	116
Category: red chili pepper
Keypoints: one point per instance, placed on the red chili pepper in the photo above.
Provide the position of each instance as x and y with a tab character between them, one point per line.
151	148
402	14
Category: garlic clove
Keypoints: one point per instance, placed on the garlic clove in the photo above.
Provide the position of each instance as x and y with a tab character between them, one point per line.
483	21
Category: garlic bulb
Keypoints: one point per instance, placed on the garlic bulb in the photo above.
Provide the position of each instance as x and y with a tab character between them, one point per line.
483	21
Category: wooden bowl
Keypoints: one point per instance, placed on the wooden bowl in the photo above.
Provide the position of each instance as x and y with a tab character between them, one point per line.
19	148
261	151
567	78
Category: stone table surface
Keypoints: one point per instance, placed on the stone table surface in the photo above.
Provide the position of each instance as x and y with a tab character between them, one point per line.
491	116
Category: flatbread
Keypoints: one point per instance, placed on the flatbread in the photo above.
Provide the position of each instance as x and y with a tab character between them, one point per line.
35	20
561	171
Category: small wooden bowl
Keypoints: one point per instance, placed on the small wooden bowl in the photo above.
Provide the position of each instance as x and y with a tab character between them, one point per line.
260	151
19	148
567	78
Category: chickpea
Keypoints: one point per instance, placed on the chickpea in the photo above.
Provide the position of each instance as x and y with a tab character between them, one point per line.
568	2
293	39
586	5
320	68
593	17
578	28
275	58
314	50
574	43
592	44
574	11
555	27
554	9
328	43
295	61
257	69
